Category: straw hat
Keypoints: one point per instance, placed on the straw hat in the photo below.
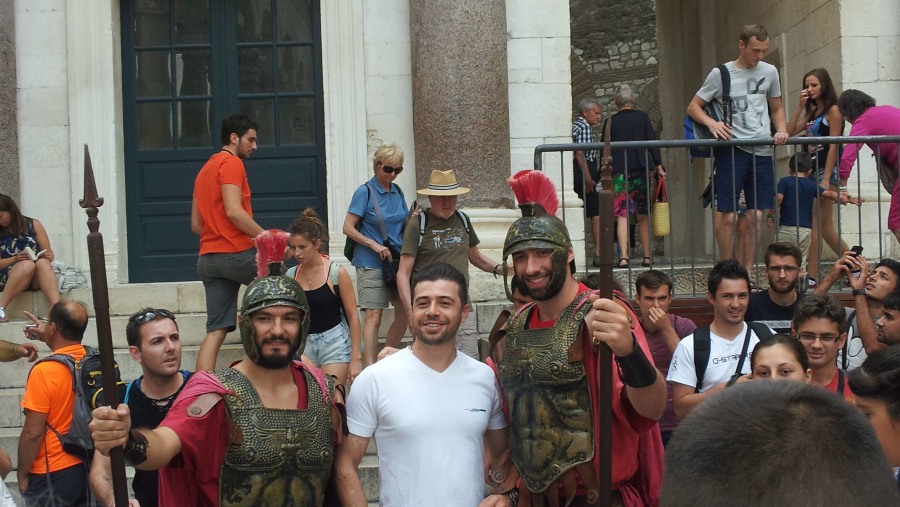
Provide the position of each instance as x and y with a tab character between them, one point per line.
443	183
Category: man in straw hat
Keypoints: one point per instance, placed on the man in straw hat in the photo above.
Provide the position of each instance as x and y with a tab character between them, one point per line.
443	234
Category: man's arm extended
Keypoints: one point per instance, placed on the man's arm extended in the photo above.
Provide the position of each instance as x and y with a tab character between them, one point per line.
346	464
110	428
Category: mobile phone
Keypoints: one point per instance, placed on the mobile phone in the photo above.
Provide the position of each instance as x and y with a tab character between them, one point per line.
856	251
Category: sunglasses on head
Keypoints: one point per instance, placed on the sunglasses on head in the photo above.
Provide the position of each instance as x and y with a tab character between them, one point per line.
390	170
153	314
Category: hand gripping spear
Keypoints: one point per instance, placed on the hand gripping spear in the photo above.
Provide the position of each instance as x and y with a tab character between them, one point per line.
605	353
100	291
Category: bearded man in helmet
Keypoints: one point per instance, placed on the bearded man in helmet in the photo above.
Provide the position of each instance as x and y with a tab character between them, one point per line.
261	432
548	373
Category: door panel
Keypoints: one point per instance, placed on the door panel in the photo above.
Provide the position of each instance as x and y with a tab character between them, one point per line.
188	63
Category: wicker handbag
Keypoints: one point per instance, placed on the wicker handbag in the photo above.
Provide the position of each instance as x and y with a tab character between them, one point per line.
660	218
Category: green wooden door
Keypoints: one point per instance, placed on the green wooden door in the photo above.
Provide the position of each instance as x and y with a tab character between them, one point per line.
185	65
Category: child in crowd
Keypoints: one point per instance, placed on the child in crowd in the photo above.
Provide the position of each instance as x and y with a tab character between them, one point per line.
795	199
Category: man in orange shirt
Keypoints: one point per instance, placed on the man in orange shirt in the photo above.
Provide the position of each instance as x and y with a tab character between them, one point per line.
221	215
48	475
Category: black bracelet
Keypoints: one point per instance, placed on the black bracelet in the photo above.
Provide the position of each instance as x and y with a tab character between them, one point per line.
136	448
513	496
635	370
494	271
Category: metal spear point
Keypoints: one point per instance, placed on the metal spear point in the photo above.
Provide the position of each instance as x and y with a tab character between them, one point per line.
91	203
605	353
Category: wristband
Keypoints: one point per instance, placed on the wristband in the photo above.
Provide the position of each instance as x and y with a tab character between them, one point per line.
843	188
136	448
513	496
635	370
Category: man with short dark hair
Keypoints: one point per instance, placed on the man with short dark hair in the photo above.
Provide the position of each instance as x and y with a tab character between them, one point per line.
48	476
155	344
430	409
774	306
755	96
869	290
819	323
586	167
267	420
664	330
777	443
888	325
728	348
223	218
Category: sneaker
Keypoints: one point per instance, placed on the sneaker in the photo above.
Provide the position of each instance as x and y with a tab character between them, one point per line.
3	314
812	283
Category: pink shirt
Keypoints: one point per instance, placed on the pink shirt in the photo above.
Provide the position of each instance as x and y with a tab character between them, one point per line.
876	121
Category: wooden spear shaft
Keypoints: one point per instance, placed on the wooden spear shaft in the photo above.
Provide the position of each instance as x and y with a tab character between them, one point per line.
100	291
606	291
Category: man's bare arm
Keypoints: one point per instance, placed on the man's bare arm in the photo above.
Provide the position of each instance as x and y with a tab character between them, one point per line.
231	199
684	399
346	464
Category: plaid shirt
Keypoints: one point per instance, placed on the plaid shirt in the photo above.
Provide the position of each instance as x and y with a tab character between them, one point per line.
582	133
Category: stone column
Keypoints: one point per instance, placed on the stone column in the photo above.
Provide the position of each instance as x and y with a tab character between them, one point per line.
9	141
460	96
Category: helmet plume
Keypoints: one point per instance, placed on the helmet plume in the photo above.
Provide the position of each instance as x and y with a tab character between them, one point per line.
270	248
533	190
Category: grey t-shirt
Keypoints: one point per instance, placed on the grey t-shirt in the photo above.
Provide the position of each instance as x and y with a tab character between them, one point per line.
750	91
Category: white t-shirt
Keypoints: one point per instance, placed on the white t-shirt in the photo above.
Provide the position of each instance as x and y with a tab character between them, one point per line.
428	426
723	359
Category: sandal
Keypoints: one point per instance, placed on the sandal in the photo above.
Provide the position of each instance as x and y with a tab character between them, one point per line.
596	261
623	263
3	317
647	262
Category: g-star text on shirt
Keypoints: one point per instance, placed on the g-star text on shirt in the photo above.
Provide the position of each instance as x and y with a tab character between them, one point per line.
725	359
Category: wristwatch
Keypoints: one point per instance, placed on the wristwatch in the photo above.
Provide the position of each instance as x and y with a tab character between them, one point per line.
860	292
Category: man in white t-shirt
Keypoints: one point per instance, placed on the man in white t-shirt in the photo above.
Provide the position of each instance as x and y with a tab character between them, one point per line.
755	93
430	409
729	294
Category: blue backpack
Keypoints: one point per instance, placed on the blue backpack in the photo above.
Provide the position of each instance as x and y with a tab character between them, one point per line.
694	130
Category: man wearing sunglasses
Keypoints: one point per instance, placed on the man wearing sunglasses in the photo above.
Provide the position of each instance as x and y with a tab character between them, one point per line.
262	432
155	344
819	325
774	306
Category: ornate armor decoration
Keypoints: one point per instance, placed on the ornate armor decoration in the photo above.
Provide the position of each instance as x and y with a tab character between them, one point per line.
551	429
283	457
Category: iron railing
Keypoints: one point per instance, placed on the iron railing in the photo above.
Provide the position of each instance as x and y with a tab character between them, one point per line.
691	246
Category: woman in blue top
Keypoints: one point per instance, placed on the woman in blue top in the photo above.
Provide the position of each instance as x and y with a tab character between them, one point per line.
363	226
18	272
818	115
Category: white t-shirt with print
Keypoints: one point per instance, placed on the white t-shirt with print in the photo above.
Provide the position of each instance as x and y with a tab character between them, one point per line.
723	360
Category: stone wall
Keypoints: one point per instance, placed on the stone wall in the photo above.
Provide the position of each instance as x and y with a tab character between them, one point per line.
615	43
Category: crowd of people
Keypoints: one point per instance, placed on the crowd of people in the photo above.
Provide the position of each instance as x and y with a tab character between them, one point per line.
291	421
743	182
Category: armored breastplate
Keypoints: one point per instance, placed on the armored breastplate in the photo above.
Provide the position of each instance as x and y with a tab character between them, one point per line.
549	403
284	456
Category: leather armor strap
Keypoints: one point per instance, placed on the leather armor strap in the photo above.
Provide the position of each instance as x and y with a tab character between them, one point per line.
136	448
635	370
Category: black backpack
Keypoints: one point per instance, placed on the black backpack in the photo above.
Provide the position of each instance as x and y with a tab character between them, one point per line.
702	343
88	386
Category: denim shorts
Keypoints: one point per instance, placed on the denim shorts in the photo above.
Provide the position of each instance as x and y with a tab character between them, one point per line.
328	347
